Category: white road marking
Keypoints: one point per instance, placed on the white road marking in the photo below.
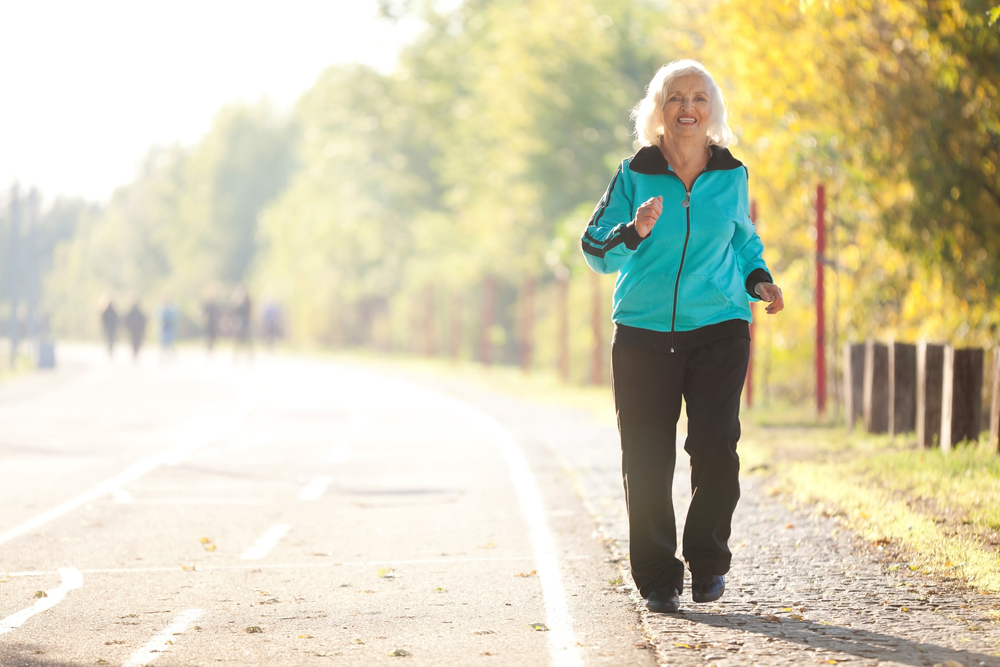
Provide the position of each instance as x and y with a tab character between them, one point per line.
121	496
157	645
315	489
71	580
339	454
563	648
200	501
266	542
194	436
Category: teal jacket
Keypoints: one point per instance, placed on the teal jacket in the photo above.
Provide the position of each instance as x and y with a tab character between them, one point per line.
700	262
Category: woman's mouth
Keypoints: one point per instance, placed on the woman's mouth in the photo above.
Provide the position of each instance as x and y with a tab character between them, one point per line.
687	120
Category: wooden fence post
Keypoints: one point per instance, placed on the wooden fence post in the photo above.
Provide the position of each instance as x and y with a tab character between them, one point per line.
947	396
876	387
902	388
854	383
455	335
527	334
597	353
562	326
486	320
995	402
967	395
930	369
430	341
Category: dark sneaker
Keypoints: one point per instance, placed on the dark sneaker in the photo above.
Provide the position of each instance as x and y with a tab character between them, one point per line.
707	587
663	600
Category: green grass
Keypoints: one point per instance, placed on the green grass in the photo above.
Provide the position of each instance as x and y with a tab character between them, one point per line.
935	512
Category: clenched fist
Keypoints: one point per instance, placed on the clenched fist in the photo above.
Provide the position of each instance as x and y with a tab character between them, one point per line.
647	215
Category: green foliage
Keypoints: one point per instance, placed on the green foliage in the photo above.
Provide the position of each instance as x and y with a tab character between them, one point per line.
381	209
186	223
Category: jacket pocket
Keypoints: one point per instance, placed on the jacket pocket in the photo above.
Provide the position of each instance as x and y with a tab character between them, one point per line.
700	302
649	300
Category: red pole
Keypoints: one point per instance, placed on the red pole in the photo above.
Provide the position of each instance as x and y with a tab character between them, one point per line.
486	320
597	358
527	323
749	383
820	319
562	326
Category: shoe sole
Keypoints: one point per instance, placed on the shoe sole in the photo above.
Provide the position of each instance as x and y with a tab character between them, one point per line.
703	598
663	609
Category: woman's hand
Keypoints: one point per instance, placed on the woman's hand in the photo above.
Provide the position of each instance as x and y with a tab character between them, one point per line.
772	294
647	215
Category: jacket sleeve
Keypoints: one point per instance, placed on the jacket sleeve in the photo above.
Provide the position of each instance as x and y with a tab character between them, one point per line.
747	244
610	238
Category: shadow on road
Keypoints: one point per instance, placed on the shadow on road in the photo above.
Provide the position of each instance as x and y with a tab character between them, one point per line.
836	638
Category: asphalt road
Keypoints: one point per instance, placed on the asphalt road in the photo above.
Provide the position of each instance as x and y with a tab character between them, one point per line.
291	512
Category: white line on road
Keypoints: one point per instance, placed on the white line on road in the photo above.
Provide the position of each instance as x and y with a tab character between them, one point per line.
315	489
157	645
71	580
266	542
339	454
121	496
562	643
192	438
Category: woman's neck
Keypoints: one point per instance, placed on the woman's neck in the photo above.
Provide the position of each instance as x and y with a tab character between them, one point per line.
685	154
687	157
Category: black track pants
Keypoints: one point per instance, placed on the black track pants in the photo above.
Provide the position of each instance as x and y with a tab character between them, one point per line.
648	387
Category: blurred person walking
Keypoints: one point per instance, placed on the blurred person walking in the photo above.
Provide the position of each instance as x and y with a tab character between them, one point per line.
135	322
271	320
109	321
242	310
168	328
675	225
212	316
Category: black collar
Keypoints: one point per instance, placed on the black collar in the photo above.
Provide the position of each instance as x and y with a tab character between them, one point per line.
649	160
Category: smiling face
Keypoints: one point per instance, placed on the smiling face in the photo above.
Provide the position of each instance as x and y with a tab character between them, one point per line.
688	108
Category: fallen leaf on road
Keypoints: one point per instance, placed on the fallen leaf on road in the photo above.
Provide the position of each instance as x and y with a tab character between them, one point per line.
41	594
387	573
540	627
526	574
169	642
189	568
616	582
252	629
486	653
305	636
358	641
682	645
101	661
270	601
484	632
400	652
790	526
440	590
129	616
797	617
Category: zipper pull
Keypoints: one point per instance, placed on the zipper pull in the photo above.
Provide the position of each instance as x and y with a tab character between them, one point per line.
687	199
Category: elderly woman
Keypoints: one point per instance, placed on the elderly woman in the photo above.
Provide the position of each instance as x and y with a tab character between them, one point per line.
675	225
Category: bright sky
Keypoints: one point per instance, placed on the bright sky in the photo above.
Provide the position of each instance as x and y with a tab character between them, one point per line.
88	87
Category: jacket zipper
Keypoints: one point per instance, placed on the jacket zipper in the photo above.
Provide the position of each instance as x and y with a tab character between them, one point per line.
677	283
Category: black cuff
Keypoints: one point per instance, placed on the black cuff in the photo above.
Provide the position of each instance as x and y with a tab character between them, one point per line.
631	236
757	276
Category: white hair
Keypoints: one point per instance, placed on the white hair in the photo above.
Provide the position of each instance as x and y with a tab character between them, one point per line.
648	114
